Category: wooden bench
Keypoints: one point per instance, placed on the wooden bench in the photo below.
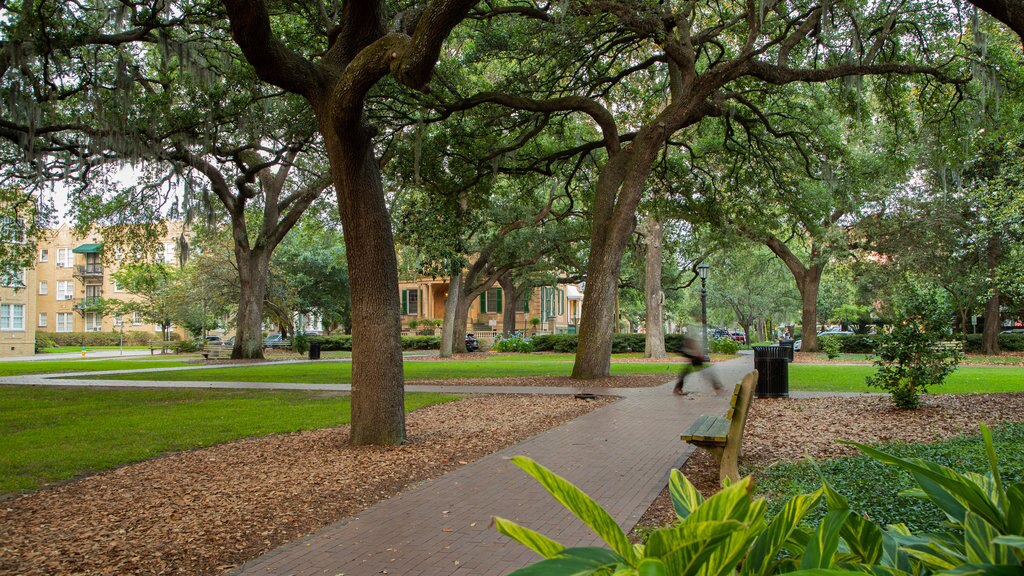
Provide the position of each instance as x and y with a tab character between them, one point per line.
723	436
949	346
216	351
160	345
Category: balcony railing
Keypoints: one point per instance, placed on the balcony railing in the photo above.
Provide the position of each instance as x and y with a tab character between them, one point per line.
88	270
87	302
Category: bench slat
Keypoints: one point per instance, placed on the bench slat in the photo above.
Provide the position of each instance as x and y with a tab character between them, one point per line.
696	426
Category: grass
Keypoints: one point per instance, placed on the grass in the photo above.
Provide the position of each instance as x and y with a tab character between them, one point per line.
480	366
847	378
77	365
53	434
873	488
1002	360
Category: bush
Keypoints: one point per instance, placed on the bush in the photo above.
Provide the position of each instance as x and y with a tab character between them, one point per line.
724	346
343	342
43	342
1007	343
831	346
513	343
300	343
186	346
856	343
909	358
621	343
131	338
982	535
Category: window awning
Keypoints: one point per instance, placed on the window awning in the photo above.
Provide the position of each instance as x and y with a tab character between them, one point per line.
88	249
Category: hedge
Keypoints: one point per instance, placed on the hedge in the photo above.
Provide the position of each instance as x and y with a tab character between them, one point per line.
864	343
131	338
1007	343
344	342
620	342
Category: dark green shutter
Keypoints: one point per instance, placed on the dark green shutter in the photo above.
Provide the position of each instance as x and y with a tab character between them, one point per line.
497	293
419	304
405	302
526	300
483	302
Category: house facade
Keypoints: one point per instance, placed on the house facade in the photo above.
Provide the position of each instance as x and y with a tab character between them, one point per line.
17	309
555	308
71	274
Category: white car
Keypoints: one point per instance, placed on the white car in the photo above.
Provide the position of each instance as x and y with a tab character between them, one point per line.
796	345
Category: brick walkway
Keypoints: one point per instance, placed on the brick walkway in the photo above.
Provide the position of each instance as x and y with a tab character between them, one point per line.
621	455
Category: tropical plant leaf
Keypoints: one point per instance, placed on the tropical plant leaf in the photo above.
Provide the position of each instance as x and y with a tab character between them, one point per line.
1015	509
950	491
588	511
559	567
1011	541
993	464
768	544
694	550
685	496
652	567
535	541
979	542
821	550
983	570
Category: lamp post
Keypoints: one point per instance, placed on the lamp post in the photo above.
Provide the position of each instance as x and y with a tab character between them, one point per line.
703	271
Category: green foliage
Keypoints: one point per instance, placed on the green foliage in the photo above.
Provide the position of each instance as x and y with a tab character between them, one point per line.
909	358
724	345
621	343
131	338
343	342
188	345
513	343
870	485
731	530
301	343
43	342
1007	343
831	346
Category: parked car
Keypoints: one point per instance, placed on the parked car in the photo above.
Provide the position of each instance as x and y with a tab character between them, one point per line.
738	335
472	345
275	341
796	345
1013	331
213	340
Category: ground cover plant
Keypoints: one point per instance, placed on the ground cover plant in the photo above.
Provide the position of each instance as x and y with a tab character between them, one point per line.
875	489
79	365
480	366
55	433
984	530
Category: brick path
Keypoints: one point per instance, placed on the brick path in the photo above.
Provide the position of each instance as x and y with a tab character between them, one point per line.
621	455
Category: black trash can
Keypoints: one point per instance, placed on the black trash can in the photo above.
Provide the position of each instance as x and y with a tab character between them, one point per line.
314	350
788	345
772	372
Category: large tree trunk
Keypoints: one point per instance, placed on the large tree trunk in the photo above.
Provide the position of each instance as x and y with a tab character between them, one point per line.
808	285
461	317
378	385
252	277
654	346
990	334
508	312
448	328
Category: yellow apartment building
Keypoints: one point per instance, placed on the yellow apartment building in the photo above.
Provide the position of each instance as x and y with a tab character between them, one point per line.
71	274
17	308
557	308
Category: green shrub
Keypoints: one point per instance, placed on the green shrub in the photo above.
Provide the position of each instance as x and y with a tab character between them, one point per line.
831	346
513	343
1007	343
131	338
724	346
621	343
730	532
43	341
300	343
343	342
186	346
855	343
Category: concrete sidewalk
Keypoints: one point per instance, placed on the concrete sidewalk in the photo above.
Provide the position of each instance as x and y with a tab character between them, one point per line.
621	455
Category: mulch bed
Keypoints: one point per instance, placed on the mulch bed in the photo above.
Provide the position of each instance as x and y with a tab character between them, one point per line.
636	381
206	511
787	430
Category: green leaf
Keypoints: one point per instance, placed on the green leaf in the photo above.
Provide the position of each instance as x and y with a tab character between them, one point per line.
652	567
983	570
559	567
1015	509
821	550
698	542
993	463
769	543
979	537
952	492
685	496
1011	541
582	506
535	541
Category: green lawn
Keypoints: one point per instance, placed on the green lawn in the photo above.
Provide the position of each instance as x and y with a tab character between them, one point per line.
873	488
1002	360
341	372
847	378
66	349
52	434
77	365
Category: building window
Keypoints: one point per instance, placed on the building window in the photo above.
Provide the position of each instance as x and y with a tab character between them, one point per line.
13	279
65	322
44	288
44	255
411	302
490	301
12	230
117	287
65	290
12	316
136	318
42	319
65	258
93	322
169	253
118	320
